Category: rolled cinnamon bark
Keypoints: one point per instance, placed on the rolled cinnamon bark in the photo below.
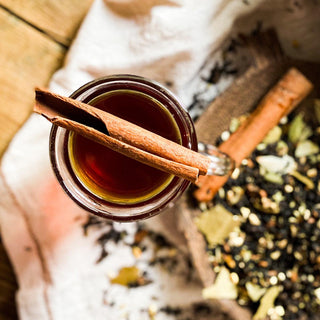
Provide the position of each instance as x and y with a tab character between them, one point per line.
289	91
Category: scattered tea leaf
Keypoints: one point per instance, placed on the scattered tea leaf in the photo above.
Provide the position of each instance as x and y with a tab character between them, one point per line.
216	224
298	129
273	135
129	276
223	288
306	148
267	302
255	292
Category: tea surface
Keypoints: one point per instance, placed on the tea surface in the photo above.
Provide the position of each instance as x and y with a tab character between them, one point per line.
115	177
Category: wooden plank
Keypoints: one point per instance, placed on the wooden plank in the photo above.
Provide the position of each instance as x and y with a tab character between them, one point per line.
28	58
8	287
58	18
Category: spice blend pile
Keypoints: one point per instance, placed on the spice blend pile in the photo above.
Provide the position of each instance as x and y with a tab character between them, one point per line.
263	227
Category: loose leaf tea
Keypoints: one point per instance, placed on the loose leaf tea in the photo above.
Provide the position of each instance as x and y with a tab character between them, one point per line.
275	253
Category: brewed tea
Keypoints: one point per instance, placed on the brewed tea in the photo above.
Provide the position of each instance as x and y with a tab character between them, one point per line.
110	175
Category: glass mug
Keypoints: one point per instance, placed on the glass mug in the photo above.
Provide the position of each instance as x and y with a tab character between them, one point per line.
109	184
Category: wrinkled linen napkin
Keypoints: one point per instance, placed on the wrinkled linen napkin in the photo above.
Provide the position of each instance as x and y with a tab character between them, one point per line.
70	265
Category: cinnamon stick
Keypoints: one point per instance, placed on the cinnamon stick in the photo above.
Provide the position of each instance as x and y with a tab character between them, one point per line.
177	169
290	90
121	136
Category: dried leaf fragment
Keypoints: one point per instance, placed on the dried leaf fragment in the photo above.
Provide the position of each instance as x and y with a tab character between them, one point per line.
223	288
273	177
306	148
273	135
298	129
216	224
129	276
267	302
255	292
279	165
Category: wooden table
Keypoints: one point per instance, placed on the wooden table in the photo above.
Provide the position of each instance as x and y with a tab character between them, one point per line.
35	36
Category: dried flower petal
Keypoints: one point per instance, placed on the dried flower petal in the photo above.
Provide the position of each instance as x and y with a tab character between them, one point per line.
274	164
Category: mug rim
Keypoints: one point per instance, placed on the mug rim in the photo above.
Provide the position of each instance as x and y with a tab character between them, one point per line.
180	185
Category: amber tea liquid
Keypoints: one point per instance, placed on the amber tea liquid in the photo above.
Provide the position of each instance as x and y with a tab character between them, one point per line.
114	177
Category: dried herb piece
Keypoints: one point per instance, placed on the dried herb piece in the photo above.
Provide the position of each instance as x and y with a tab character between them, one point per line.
282	148
255	291
216	224
305	180
298	129
274	164
273	135
306	148
267	302
130	277
223	288
273	177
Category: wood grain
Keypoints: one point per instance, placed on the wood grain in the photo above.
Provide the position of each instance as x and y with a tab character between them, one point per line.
58	18
8	287
28	58
32	48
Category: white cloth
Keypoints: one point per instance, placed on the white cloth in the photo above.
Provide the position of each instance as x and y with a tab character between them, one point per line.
55	264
